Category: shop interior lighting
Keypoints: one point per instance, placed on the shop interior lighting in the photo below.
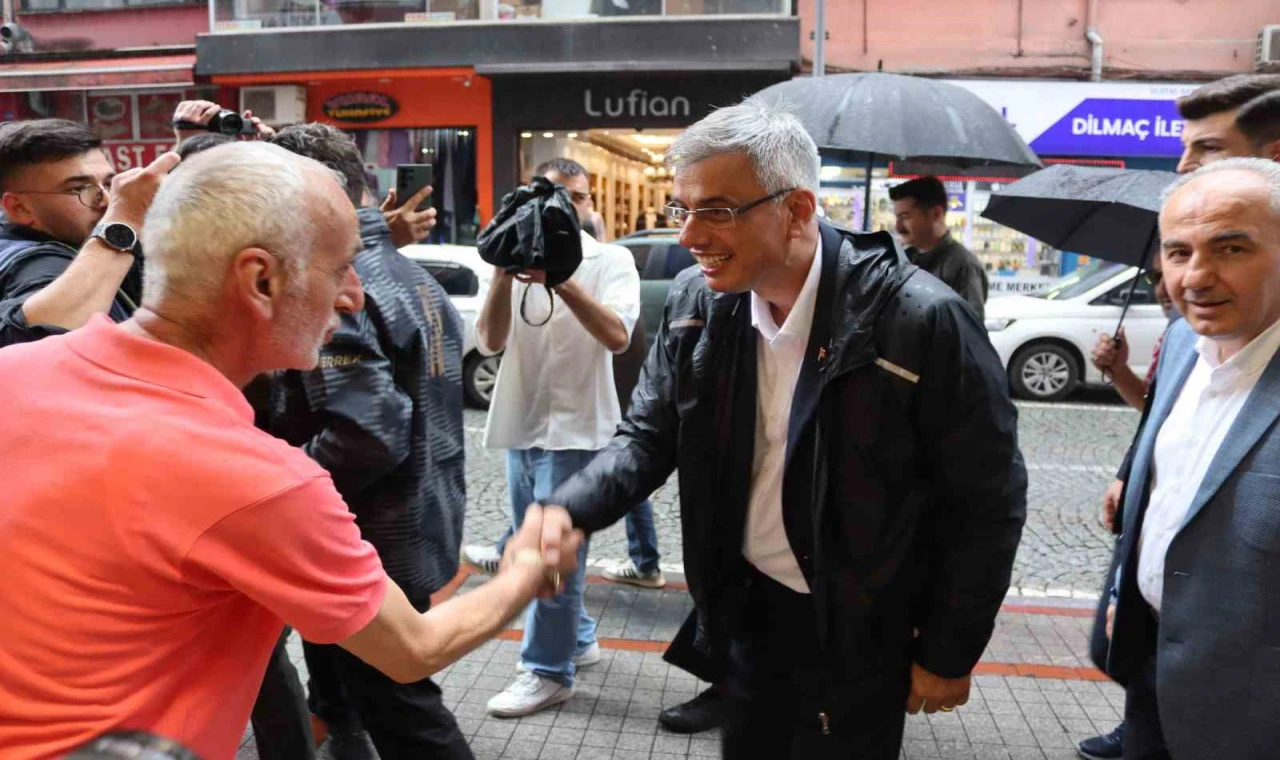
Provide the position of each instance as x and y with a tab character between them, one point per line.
829	172
649	171
572	135
653	141
548	135
526	135
463	133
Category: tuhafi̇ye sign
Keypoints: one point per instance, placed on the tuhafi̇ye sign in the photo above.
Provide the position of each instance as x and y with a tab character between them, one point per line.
360	107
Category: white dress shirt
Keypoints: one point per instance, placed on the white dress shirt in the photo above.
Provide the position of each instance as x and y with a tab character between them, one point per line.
555	387
1203	413
779	356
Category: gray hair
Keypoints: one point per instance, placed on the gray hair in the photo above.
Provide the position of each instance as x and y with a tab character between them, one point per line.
1267	169
216	204
783	152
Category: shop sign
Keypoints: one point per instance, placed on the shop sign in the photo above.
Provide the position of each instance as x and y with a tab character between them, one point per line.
133	155
360	107
636	104
1017	285
1101	119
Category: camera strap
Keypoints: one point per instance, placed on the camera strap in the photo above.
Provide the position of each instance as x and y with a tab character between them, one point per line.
524	299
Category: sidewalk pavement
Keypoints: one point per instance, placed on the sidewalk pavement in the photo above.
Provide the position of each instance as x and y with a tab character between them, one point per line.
1035	693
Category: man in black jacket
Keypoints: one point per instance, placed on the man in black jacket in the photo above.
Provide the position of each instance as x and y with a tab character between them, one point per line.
69	229
920	206
851	487
383	414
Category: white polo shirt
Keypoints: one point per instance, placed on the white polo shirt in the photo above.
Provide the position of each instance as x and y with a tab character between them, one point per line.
779	356
555	388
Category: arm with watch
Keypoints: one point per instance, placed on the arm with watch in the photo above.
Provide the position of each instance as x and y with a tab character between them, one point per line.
89	285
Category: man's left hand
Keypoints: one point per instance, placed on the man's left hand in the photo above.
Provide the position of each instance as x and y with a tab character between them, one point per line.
408	225
933	693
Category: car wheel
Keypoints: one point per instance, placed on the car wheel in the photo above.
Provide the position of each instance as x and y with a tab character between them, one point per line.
1044	372
479	376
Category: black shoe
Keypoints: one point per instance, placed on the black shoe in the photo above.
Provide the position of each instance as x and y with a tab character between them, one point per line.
350	746
1108	747
702	713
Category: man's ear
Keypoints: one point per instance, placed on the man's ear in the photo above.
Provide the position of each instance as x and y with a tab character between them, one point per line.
258	280
1271	150
803	205
17	209
938	214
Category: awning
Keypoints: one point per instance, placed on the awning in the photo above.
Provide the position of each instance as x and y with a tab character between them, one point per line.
99	73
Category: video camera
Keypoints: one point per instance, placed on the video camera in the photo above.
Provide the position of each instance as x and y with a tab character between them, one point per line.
224	122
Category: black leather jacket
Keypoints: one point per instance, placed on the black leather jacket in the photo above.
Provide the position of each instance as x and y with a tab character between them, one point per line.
904	492
383	414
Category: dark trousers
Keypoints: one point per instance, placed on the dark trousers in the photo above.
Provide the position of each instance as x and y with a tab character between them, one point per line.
780	681
1144	737
404	720
326	696
281	721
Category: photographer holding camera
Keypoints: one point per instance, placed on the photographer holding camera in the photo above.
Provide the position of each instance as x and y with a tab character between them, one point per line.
408	224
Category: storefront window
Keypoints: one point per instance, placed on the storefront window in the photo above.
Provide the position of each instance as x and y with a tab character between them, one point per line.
629	183
239	15
1008	255
55	6
453	154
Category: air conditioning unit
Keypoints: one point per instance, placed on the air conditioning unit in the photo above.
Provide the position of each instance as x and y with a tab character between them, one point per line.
1268	55
277	105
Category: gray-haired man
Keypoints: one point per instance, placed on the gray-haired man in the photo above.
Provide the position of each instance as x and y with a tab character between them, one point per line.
851	487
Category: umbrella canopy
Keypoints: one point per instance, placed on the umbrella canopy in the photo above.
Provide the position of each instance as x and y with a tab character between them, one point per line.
901	117
1107	213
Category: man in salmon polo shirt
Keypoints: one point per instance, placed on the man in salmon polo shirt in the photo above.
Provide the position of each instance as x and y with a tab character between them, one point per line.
155	542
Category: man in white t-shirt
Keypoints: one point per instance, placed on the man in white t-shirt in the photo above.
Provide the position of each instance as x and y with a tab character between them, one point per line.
553	408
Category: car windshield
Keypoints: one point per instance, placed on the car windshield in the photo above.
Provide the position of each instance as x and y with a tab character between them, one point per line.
1081	281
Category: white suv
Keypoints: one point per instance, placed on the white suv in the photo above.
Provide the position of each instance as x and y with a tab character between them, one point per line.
1045	339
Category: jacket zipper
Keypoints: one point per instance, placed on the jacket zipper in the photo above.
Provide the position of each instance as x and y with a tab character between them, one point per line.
826	723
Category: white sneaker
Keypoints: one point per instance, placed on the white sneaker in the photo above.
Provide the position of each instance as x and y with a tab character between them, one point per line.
590	656
481	558
529	694
627	572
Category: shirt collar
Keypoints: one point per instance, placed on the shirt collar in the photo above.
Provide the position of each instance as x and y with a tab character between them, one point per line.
108	345
1250	360
590	246
800	319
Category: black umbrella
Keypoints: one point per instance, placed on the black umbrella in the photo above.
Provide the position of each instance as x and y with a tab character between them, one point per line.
902	118
1110	214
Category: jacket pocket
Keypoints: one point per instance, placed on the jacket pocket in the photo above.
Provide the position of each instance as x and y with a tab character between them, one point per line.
1256	517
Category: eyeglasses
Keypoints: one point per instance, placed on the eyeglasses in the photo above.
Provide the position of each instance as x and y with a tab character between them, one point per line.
91	195
1153	277
717	217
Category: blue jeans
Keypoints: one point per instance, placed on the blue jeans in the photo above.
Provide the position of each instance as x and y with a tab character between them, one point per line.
557	629
642	537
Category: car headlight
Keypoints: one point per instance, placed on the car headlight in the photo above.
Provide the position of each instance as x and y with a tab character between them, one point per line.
996	325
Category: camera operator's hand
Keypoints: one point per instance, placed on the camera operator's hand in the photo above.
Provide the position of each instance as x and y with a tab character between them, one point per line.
196	112
132	191
261	130
408	225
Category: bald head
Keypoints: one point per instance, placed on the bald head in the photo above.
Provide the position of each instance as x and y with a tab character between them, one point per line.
249	249
1220	250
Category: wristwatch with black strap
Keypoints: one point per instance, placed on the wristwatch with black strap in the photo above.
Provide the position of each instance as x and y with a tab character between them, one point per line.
117	235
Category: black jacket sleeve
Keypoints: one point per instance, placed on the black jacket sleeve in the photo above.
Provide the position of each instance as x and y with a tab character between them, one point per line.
640	457
34	270
365	432
969	427
971	284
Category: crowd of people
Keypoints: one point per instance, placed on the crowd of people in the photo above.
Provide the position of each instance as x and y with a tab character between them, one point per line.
234	409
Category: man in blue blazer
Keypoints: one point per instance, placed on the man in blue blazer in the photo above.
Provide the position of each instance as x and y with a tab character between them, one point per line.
1196	629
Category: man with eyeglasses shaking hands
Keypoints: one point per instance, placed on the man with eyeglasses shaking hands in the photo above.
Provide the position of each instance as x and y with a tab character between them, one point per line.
851	488
69	233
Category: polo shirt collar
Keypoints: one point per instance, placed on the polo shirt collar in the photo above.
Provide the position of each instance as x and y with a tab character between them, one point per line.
106	344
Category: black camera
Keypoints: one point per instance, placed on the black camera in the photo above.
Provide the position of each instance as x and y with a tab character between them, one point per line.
224	122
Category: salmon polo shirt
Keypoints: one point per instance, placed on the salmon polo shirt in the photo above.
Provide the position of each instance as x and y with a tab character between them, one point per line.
152	544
